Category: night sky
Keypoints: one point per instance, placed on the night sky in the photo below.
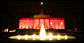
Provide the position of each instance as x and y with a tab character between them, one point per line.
12	11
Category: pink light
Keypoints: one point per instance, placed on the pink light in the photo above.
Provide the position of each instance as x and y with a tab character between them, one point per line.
36	23
41	22
47	23
55	23
52	21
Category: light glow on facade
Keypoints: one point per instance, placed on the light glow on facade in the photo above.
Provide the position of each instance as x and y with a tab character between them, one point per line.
37	20
31	23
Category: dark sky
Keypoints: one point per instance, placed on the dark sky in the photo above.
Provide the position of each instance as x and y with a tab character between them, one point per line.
12	11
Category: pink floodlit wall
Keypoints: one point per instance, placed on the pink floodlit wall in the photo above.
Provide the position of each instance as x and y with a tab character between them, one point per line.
52	23
36	24
46	23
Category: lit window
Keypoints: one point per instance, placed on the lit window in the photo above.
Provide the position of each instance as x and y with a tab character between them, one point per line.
61	23
34	27
37	28
26	26
50	22
23	27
